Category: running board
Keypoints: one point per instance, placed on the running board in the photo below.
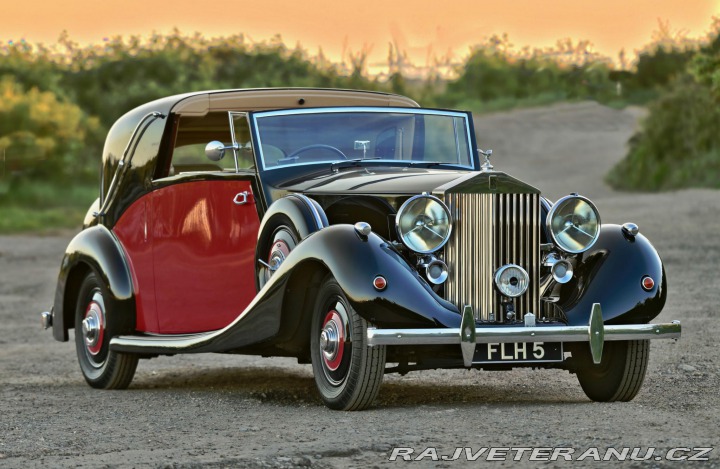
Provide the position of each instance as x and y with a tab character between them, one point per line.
163	344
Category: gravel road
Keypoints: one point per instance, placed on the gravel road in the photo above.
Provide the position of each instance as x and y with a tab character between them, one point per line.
231	411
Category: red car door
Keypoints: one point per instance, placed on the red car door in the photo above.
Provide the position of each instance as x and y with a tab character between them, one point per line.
204	235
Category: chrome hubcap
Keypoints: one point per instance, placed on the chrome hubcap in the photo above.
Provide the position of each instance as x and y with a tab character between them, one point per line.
332	345
276	258
329	340
91	328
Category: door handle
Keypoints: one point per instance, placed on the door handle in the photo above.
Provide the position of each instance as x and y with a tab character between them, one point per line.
241	198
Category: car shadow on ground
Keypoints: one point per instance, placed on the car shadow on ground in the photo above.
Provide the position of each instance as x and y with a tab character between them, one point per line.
281	386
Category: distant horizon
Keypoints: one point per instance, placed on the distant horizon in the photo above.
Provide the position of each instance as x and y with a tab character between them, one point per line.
419	29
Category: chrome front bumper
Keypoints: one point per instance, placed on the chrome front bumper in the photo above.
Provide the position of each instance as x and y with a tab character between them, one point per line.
468	335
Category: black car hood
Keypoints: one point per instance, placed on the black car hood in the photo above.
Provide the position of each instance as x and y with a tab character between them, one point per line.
376	181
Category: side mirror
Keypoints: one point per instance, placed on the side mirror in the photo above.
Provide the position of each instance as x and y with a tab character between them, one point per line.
215	151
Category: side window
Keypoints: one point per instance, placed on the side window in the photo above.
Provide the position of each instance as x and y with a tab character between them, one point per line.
193	134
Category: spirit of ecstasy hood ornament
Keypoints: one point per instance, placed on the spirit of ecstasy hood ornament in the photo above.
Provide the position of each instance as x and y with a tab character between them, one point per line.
486	166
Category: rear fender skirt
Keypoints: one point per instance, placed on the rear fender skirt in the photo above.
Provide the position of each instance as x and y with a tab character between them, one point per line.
610	273
96	249
354	261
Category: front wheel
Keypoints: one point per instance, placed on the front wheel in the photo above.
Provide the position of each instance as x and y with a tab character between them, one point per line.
620	373
347	372
101	367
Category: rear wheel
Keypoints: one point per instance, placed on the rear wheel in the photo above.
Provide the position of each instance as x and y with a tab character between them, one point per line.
101	367
347	372
620	373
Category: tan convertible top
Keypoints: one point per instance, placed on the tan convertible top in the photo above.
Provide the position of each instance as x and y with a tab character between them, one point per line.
282	98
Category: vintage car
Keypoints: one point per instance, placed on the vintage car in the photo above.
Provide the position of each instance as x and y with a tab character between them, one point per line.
352	230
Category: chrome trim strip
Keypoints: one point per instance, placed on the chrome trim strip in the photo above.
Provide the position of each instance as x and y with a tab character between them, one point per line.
484	335
368	109
171	342
235	145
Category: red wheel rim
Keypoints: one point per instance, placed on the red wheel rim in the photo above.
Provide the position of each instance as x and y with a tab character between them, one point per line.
93	328
332	340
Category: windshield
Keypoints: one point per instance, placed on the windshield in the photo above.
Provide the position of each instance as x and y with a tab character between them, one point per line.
401	135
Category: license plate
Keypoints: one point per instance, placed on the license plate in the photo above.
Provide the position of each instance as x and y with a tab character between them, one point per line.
518	352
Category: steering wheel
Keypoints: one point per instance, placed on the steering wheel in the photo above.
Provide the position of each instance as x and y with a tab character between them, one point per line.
316	146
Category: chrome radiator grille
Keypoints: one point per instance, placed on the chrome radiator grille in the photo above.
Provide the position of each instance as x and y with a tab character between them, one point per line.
489	231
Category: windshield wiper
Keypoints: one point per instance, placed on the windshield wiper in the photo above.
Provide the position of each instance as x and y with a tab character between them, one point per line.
427	163
348	163
357	162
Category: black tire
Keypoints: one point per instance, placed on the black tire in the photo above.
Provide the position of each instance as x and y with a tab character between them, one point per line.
101	367
620	373
350	379
279	230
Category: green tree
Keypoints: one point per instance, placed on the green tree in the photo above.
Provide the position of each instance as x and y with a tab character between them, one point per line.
679	144
44	137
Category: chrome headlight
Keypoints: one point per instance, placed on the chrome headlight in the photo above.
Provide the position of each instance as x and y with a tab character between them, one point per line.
574	224
423	223
512	280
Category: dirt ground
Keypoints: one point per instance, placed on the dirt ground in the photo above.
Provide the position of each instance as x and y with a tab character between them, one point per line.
229	411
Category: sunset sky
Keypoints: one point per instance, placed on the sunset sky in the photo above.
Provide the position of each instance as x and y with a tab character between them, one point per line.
421	28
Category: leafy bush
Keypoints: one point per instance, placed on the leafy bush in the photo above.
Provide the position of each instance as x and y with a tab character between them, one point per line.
495	74
43	137
679	145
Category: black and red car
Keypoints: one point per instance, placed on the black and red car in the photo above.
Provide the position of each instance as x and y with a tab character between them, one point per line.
352	230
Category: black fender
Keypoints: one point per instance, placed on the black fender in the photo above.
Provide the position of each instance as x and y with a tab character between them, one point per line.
303	212
355	260
610	273
94	249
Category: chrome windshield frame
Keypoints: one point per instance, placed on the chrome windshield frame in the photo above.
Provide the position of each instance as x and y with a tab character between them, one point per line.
255	116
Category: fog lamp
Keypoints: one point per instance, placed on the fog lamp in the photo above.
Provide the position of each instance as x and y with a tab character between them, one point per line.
512	280
562	271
